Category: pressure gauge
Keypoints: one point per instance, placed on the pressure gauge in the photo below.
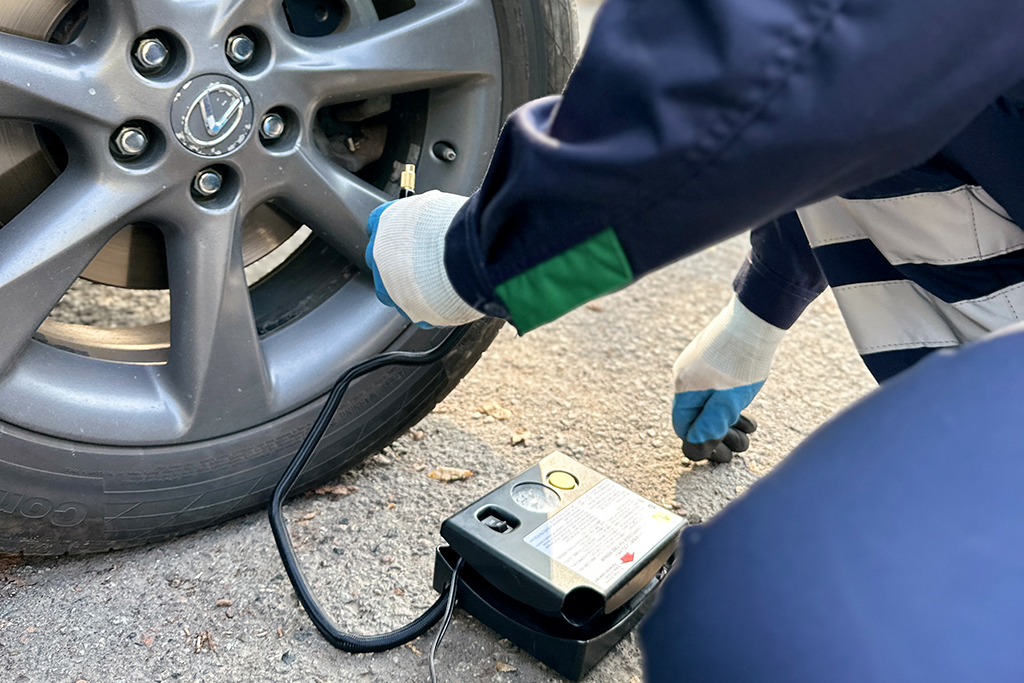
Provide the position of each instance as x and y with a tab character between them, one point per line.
535	497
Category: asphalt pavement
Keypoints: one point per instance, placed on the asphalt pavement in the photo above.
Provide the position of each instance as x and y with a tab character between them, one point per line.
216	606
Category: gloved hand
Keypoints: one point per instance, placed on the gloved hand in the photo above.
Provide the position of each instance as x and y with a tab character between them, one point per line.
406	256
736	440
716	376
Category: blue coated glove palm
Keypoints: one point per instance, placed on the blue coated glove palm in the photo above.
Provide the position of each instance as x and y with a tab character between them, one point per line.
699	416
716	377
378	285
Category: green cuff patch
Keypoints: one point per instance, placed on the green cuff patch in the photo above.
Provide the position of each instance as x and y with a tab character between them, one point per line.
550	289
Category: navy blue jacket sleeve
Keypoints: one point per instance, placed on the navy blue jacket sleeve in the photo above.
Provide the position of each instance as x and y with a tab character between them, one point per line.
781	276
686	122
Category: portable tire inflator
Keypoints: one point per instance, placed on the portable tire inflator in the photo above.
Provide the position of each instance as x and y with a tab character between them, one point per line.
560	560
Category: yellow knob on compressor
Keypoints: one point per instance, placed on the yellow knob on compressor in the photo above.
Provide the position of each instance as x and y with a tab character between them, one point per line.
562	480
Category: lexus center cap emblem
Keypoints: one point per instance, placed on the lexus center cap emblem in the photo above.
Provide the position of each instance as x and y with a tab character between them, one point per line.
212	115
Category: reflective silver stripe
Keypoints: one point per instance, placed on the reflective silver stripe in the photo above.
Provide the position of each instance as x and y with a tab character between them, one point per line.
958	226
888	316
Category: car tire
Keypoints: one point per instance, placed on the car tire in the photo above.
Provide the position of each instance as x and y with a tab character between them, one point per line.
59	496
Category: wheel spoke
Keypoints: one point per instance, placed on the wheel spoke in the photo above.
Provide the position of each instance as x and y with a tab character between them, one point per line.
437	42
48	83
215	362
237	12
48	245
141	15
332	202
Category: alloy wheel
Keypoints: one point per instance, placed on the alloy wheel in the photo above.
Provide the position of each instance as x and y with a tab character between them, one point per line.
162	144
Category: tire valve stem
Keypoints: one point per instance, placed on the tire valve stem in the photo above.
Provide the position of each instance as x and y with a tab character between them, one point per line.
407	183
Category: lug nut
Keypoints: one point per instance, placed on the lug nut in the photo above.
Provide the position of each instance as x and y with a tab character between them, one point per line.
151	55
445	152
272	127
131	141
240	49
207	183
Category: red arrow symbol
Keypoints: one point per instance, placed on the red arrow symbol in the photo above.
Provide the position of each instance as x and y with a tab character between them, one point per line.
628	557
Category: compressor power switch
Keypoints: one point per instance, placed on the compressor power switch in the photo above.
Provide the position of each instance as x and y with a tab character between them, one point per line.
496	523
497	520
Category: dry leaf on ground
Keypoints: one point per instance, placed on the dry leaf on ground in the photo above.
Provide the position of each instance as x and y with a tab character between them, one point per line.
335	490
503	667
520	435
205	642
449	474
495	410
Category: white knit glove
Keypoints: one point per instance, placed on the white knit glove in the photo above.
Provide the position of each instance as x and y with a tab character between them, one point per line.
406	255
720	371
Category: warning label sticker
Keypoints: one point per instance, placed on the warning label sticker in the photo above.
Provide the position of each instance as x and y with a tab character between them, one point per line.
600	534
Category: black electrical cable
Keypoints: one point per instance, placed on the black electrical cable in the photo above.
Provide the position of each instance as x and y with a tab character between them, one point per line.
453	588
350	642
